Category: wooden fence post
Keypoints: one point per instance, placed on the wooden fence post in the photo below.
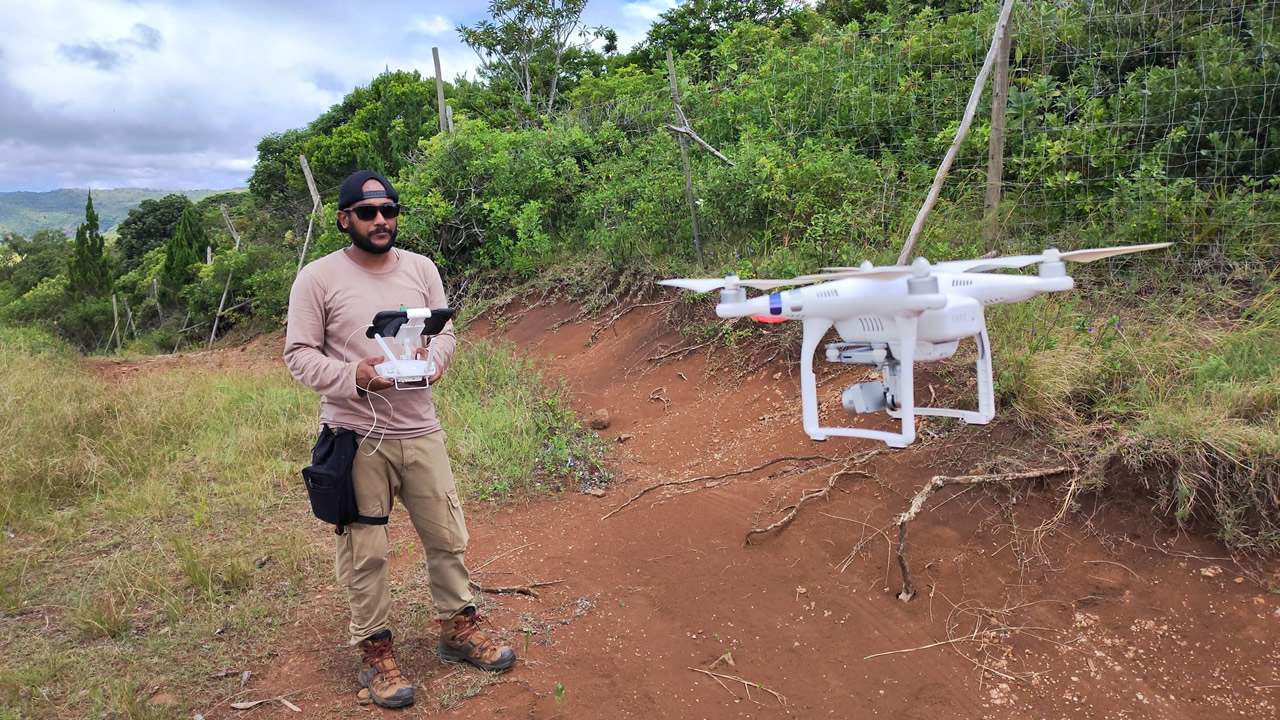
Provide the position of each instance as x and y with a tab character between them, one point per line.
684	157
227	287
315	208
444	120
995	153
1001	28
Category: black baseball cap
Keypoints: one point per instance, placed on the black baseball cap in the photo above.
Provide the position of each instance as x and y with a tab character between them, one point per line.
352	190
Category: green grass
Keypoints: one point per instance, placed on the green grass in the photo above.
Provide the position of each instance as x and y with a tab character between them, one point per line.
509	430
1182	388
155	530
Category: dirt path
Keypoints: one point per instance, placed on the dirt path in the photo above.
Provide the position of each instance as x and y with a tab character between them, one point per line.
1108	616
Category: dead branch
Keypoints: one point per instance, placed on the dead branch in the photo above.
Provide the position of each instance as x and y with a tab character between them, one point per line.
814	493
670	483
514	589
688	132
746	683
938	482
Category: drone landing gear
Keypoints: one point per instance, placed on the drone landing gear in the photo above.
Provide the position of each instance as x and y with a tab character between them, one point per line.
814	329
986	392
899	398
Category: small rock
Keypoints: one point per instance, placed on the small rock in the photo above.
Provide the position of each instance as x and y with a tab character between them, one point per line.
596	492
625	437
1212	571
599	419
363	697
1238	580
262	561
163	699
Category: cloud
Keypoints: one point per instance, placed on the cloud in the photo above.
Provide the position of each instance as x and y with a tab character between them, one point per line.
647	10
436	25
169	93
112	54
92	54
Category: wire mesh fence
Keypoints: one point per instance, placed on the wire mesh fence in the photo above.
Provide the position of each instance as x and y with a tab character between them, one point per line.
1126	121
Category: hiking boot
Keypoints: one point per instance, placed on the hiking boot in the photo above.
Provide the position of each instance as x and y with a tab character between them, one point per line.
380	674
461	639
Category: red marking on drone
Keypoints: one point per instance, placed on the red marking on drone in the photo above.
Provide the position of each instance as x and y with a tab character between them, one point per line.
768	318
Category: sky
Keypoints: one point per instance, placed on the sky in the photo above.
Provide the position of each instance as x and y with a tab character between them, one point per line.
175	95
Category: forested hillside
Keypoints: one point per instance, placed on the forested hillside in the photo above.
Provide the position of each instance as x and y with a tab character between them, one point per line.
1124	125
26	212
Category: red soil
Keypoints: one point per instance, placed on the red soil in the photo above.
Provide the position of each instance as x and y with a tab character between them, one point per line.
1110	614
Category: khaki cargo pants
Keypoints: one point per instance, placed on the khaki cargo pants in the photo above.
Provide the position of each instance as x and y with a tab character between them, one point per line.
417	471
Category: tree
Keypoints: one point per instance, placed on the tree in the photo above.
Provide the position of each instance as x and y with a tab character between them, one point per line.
89	271
147	227
697	24
27	262
524	44
183	250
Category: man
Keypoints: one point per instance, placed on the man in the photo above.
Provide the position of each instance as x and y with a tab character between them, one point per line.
402	450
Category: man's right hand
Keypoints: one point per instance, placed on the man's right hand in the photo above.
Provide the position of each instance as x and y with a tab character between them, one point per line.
368	379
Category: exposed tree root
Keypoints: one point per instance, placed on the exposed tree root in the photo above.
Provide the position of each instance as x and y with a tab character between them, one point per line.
815	493
670	483
938	482
618	316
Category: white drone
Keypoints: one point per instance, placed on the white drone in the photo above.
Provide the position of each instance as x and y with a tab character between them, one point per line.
405	326
890	317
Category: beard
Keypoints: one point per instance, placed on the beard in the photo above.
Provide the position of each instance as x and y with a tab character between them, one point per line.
364	241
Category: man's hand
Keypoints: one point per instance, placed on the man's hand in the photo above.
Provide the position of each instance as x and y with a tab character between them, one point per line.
425	354
368	379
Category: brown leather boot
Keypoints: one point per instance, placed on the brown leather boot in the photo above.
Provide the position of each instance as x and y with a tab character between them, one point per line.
461	639
380	674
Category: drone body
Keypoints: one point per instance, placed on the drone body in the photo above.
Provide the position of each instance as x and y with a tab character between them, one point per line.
889	318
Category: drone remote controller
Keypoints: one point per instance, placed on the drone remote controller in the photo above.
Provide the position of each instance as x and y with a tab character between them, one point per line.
404	327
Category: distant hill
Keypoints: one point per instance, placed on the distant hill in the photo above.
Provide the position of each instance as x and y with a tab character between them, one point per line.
27	212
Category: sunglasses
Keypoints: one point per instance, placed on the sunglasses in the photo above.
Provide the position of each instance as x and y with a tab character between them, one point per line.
368	212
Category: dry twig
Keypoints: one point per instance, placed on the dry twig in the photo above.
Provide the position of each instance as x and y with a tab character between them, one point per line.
746	683
500	555
514	589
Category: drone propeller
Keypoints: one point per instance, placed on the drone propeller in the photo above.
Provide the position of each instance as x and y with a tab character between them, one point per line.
1049	255
730	282
985	264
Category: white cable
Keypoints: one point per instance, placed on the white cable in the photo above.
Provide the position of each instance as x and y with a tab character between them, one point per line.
374	411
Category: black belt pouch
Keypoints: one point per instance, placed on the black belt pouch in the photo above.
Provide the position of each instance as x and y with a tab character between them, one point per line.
328	477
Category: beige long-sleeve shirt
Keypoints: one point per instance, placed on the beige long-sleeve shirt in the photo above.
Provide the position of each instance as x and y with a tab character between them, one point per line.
332	301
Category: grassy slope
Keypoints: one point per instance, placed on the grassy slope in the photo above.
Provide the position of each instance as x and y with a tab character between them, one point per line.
155	529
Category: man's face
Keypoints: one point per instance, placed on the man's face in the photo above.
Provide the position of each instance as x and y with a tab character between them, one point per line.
376	235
